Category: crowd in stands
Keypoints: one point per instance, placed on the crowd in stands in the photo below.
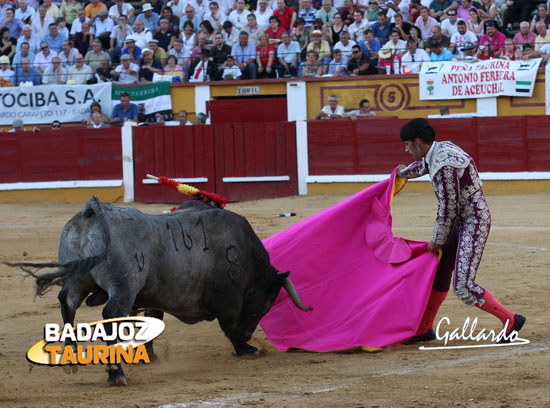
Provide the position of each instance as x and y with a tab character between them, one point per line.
84	42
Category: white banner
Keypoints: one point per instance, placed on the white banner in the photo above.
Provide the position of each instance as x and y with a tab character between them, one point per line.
46	103
483	79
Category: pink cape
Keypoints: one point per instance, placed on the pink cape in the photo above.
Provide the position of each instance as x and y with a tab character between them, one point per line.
368	288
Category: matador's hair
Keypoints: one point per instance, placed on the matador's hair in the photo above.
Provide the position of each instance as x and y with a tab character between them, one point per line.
418	128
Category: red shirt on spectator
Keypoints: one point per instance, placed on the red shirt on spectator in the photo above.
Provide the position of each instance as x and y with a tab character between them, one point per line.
285	17
276	35
497	42
264	53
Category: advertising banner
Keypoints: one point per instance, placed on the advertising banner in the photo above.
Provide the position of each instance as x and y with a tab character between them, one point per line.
483	79
46	103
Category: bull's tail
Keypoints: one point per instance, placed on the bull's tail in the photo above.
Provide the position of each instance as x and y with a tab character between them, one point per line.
65	271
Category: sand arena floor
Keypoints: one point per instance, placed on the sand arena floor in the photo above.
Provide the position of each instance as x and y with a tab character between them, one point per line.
197	367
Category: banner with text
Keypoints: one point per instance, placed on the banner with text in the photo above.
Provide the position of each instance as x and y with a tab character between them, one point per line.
45	103
151	99
483	79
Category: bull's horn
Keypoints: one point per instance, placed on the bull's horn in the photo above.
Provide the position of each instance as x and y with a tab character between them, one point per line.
293	293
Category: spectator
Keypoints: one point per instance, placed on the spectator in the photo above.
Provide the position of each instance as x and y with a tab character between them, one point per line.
524	36
118	35
334	30
93	8
402	26
332	110
461	37
188	38
449	25
173	21
338	65
126	72
62	27
7	43
76	26
439	8
44	58
214	16
191	17
265	58
141	35
487	9
239	16
444	110
124	111
158	52
97	122
543	38
327	12
527	50
361	64
55	73
132	50
202	69
165	35
495	37
178	7
468	52
263	13
200	6
56	125
416	35
364	111
300	34
103	27
373	11
289	54
541	16
230	34
27	74
231	71
181	58
149	66
200	119
157	5
345	45
12	23
486	51
51	9
308	13
218	55
464	9
253	29
381	29
41	22
244	53
174	70
120	8
370	45
412	60
438	37
358	26
201	45
321	47
275	31
17	126
103	73
94	57
311	67
426	23
28	37
474	24
25	13
286	15
510	51
183	120
518	10
79	73
24	53
440	53
83	40
54	39
149	18
7	76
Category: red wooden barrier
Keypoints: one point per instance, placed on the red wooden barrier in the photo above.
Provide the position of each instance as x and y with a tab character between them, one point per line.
61	155
247	109
372	146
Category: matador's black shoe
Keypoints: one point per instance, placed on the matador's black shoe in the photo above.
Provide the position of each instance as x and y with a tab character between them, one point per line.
421	338
519	321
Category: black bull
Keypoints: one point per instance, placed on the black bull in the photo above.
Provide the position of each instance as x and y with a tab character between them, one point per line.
197	263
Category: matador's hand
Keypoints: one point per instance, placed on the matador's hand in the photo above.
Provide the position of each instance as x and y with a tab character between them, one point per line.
434	248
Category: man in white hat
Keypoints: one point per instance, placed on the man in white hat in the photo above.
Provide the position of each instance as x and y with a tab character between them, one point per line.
6	73
103	27
149	17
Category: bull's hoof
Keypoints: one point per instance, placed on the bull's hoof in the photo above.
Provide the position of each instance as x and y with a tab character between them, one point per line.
116	376
70	369
150	352
247	350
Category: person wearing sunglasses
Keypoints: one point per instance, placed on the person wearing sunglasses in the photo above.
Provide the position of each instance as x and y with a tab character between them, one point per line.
449	25
361	64
440	8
